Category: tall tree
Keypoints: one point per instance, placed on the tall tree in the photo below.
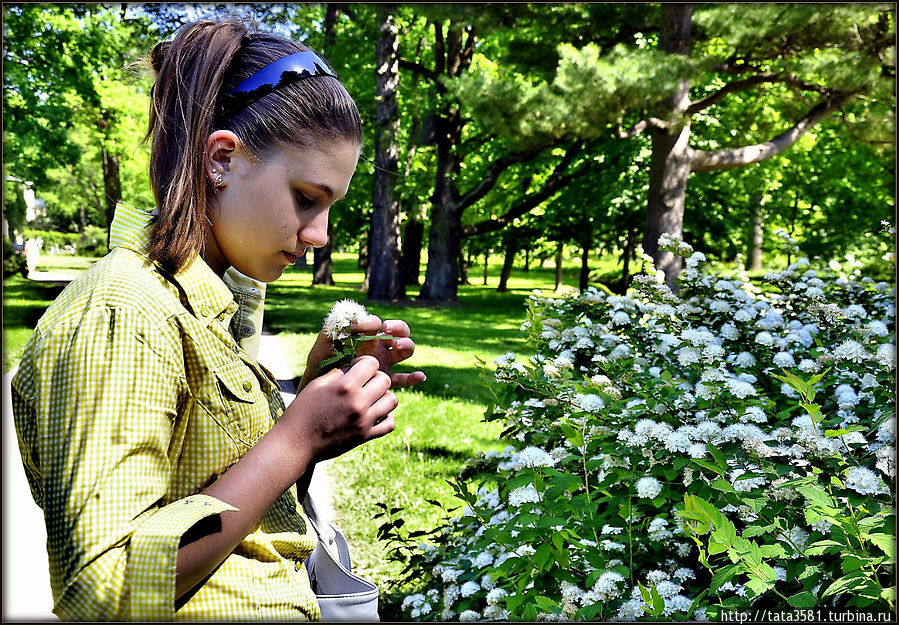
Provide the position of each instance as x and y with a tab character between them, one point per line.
385	269
859	37
64	72
804	62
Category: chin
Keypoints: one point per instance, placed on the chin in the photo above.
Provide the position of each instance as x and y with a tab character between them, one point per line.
263	274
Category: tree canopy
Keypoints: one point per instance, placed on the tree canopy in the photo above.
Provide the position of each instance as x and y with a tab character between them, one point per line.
525	126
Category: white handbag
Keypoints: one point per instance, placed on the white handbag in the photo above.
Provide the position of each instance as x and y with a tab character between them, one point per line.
342	595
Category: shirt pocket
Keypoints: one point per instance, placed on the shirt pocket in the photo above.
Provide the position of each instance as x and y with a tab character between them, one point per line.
244	408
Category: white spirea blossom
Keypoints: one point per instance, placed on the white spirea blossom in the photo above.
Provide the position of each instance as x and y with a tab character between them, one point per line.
523	495
469	588
863	481
535	457
607	586
589	403
886	355
648	487
469	616
784	359
343	314
850	350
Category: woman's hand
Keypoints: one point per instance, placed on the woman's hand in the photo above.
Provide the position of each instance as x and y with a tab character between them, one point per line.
341	409
388	352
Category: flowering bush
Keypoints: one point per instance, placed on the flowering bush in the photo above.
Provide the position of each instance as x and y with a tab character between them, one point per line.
675	455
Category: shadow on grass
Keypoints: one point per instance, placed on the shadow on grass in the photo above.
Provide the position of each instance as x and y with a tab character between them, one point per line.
443	453
24	301
460	383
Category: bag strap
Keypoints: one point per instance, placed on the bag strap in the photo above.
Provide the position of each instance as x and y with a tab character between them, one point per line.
333	540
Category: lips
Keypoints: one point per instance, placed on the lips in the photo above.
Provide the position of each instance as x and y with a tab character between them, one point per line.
292	258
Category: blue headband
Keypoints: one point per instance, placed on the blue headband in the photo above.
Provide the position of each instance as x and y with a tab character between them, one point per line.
280	73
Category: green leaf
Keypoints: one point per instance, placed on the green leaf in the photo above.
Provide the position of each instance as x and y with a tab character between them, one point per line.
803	599
724	575
546	604
708	465
808	570
852	581
757	530
722	485
718	456
823	546
852	562
758	586
886	543
773	551
816	495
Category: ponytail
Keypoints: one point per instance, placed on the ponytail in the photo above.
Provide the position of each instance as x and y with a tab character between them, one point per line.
190	72
203	61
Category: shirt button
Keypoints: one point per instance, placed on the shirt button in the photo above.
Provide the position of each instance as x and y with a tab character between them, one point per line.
247	386
205	310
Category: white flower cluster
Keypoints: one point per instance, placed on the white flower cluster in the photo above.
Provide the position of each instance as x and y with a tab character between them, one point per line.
343	314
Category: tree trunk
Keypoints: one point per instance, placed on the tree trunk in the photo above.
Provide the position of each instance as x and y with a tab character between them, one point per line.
321	261
385	269
444	240
442	272
559	251
508	260
321	256
584	278
112	185
629	245
411	248
463	267
670	164
756	236
486	265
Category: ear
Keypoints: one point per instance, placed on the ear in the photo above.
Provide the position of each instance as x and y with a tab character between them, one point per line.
221	147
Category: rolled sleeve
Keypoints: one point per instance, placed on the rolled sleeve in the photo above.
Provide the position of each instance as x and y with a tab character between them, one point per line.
153	555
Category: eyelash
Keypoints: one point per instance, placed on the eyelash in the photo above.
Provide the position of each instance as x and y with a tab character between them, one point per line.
305	200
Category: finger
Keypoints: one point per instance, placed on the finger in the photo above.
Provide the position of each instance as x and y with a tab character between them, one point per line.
370	325
378	384
385	425
402	349
396	327
362	368
381	409
404	380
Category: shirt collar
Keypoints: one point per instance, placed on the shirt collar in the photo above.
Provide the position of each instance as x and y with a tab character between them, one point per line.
207	295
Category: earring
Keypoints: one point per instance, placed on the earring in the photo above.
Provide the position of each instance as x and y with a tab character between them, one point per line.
219	179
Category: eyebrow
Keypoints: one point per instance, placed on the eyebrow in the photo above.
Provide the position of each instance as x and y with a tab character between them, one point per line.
328	191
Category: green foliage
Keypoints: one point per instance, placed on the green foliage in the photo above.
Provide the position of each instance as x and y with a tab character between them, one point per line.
13	261
68	95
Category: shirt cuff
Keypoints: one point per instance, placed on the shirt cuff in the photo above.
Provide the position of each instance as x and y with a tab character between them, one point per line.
150	572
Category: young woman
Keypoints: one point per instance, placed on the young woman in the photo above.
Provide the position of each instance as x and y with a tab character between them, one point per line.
168	468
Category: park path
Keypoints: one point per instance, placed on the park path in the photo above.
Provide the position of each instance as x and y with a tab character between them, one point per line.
26	592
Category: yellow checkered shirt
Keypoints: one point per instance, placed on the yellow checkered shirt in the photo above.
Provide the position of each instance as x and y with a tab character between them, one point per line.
132	396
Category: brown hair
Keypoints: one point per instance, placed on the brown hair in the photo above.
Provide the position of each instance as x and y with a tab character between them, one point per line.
205	60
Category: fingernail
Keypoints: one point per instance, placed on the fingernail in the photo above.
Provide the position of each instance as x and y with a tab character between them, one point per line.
386	327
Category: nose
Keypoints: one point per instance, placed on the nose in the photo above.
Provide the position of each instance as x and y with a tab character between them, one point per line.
314	232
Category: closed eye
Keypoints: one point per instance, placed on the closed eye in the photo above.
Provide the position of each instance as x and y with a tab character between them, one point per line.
304	200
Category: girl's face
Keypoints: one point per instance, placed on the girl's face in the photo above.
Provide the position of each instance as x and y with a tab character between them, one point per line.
269	212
